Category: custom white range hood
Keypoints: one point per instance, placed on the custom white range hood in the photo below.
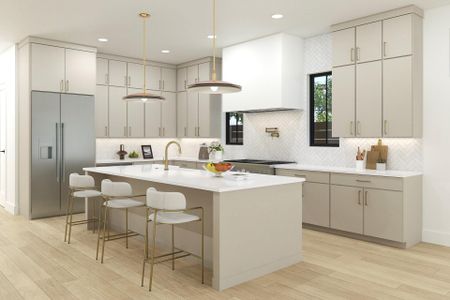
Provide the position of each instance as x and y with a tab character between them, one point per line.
270	71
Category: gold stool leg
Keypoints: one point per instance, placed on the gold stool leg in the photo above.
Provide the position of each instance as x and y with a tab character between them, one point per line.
145	248
152	261
71	200
105	221
203	248
173	247
94	215
126	228
98	231
67	221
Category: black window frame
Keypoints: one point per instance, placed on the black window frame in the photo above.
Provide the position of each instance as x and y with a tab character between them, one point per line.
228	130
312	142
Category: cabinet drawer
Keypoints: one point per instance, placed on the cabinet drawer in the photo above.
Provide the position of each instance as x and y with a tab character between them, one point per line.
319	177
380	182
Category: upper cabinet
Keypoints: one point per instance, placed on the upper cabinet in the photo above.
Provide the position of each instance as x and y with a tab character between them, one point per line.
377	75
398	36
344	47
62	70
117	73
270	71
118	118
198	115
368	42
102	71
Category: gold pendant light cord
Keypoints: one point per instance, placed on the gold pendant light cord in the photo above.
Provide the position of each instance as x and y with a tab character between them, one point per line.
145	53
214	74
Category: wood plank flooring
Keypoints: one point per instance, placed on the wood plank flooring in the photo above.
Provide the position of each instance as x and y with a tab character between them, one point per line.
35	263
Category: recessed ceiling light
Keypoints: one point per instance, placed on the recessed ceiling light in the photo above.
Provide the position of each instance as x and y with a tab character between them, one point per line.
102	40
211	36
165	51
277	16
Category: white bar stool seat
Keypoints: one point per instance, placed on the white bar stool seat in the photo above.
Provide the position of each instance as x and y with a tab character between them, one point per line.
169	208
116	195
174	218
80	187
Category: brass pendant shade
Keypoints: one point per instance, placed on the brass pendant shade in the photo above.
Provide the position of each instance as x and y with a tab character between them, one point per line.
144	96
214	86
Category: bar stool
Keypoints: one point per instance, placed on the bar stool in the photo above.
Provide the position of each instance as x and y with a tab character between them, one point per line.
169	208
80	187
116	195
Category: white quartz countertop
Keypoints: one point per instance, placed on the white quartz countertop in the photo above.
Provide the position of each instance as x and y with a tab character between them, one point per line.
140	160
387	173
196	179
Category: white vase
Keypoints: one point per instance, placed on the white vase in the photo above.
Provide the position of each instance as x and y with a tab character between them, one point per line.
360	165
381	167
216	156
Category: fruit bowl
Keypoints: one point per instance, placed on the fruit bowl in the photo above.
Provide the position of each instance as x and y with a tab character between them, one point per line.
218	169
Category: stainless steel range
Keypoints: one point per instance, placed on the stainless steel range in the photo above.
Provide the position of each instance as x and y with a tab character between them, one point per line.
256	166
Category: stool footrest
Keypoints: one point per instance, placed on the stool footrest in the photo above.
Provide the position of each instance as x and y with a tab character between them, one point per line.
80	222
177	254
117	236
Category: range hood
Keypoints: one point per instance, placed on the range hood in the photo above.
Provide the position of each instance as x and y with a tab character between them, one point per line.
270	71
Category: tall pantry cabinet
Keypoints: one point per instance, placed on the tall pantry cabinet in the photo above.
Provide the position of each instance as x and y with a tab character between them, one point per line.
377	75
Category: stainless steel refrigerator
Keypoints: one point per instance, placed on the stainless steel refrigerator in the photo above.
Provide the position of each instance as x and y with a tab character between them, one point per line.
63	142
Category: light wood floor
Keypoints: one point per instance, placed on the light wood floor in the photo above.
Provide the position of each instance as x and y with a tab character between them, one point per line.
35	263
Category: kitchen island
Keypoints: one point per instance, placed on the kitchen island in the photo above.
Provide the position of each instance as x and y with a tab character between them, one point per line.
252	226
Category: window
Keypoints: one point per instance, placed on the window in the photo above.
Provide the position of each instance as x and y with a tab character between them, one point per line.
235	128
320	123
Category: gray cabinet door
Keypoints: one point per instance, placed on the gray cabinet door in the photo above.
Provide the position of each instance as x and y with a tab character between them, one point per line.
383	214
77	141
398	97
344	101
368	99
346	208
45	152
316	204
343	47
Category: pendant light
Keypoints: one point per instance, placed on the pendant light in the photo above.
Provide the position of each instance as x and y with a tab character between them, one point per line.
144	96
214	86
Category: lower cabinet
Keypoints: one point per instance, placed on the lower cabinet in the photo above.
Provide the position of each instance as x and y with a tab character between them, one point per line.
346	209
383	214
316	204
372	212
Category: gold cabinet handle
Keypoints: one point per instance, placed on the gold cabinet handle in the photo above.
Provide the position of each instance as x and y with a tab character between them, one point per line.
106	130
359	197
366	200
352	54
129	130
351	128
164	131
358	128
384	49
129	80
185	84
125	131
363	181
300	176
106	79
185	131
358	52
61	86
385	127
67	85
125	80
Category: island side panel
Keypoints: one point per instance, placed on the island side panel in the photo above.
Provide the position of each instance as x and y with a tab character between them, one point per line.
256	232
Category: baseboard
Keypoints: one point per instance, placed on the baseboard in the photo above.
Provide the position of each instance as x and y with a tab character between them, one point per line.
436	237
11	208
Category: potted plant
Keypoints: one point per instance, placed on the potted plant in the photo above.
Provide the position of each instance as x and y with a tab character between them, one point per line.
215	152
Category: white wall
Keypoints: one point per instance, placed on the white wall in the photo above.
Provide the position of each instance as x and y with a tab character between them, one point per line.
436	136
8	79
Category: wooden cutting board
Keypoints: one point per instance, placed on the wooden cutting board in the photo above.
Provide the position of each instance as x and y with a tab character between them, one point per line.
372	159
382	150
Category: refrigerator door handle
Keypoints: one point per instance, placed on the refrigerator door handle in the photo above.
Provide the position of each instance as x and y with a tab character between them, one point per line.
58	175
63	163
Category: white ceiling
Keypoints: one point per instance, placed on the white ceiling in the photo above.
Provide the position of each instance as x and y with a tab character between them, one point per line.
178	25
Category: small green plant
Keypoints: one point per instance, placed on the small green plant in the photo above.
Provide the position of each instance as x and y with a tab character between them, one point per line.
214	147
133	154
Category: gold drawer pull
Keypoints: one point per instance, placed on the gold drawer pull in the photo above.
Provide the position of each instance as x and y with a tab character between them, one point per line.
364	181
